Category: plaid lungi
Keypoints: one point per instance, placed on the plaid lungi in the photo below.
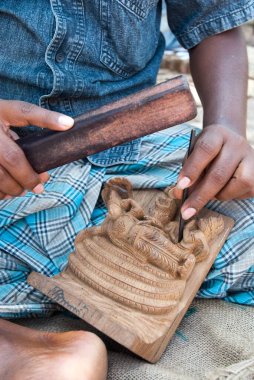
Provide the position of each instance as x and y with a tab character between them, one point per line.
37	231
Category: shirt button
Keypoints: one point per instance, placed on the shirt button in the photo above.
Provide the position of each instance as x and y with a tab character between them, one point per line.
52	102
59	57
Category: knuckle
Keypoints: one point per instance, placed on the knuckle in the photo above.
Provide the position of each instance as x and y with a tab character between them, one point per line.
49	117
11	156
241	141
247	181
191	170
31	181
26	108
198	201
15	191
46	117
218	176
221	197
205	147
13	188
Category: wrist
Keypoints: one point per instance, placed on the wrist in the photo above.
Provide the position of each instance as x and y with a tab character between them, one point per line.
240	128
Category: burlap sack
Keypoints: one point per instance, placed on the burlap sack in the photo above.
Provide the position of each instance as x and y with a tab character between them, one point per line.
215	341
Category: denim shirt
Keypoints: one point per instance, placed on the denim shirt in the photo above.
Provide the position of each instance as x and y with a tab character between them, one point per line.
72	56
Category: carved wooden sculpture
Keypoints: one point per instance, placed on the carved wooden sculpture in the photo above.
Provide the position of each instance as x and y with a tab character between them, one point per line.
128	276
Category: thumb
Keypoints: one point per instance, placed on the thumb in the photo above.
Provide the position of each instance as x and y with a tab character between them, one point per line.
178	193
20	114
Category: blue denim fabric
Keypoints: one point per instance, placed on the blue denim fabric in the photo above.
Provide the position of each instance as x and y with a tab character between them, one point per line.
193	21
74	55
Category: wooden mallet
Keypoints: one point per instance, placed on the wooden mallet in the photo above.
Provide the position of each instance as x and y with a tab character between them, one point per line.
148	111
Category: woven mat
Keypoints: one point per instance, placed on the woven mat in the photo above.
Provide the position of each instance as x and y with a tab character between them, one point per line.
215	341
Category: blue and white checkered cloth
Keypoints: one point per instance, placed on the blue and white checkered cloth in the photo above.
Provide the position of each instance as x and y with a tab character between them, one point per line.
37	231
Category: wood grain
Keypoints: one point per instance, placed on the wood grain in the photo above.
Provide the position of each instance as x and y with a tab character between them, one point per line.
148	111
140	330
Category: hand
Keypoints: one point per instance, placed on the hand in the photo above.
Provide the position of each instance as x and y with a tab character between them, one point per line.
220	166
16	174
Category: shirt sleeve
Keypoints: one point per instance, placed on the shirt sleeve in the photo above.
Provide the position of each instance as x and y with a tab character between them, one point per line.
194	20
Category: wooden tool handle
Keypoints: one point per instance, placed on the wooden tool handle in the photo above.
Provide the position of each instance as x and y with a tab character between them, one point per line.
148	111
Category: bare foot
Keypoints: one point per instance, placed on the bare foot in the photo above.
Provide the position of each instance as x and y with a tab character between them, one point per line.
28	354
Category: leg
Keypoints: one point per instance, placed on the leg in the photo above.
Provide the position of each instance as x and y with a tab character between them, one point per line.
31	232
38	232
29	354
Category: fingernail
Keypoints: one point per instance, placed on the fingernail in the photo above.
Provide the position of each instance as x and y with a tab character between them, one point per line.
38	189
188	213
44	177
65	121
183	183
24	193
8	197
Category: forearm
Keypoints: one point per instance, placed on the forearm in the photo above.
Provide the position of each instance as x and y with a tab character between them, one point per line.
219	67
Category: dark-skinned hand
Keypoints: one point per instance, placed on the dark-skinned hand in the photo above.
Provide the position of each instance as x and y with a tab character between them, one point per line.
16	174
219	167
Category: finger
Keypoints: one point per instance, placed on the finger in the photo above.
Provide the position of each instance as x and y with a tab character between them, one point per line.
44	177
240	184
2	195
8	196
13	135
216	177
231	191
239	197
20	114
23	193
8	185
14	162
178	194
246	196
207	147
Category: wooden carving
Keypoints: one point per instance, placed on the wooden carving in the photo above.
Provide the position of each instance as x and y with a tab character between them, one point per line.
133	258
132	270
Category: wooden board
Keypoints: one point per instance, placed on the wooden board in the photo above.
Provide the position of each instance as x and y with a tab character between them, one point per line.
144	334
133	116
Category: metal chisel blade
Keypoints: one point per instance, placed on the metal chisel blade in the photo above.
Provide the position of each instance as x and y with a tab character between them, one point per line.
186	191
